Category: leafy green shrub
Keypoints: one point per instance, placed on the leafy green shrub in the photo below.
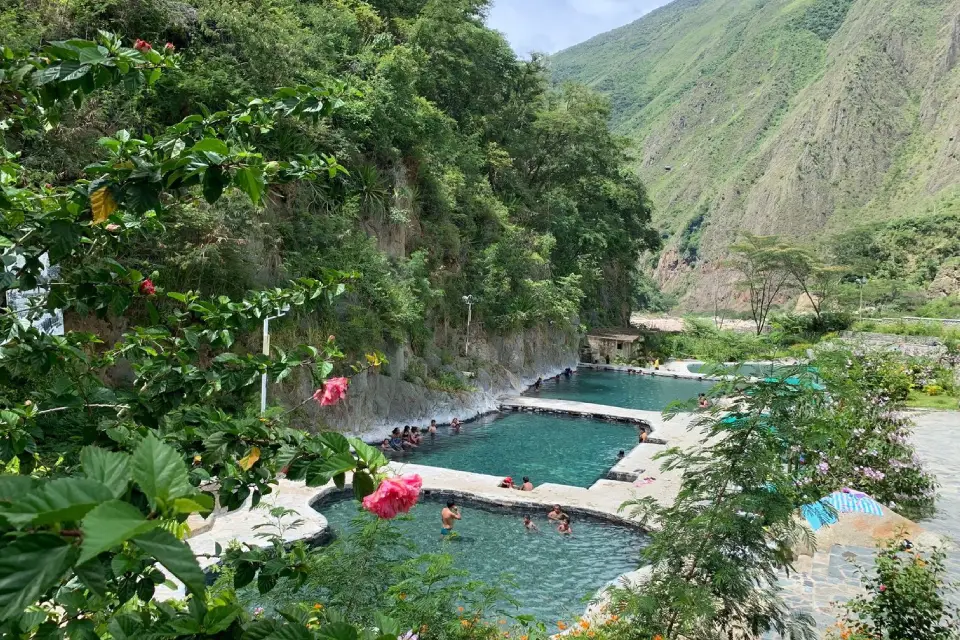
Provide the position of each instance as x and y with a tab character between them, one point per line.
908	596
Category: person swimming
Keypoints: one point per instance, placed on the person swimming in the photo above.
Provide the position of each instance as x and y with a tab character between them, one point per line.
385	446
538	384
415	437
448	516
396	440
621	455
556	514
564	527
529	524
455	425
432	429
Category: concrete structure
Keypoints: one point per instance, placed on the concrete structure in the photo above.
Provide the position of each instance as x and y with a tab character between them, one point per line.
611	346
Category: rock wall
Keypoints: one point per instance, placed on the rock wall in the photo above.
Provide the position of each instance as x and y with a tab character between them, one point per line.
920	346
500	365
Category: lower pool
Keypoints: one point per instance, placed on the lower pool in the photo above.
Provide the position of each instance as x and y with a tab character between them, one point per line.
549	574
545	447
652	393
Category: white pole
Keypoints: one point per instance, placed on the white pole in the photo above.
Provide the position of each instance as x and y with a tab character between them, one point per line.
263	376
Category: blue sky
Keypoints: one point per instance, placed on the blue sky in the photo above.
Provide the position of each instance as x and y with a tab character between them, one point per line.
551	25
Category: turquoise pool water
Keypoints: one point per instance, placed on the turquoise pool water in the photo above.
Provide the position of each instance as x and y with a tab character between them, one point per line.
549	574
548	448
652	393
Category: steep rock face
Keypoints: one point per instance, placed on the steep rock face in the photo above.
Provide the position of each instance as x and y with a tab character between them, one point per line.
501	365
794	117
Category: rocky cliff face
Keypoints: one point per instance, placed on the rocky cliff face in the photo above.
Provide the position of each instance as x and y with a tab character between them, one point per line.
802	119
500	365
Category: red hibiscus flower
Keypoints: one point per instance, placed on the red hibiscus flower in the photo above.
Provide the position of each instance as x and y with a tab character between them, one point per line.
394	496
332	392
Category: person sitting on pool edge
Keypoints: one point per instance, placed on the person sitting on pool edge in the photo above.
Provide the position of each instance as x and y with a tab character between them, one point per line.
527	485
556	514
529	525
703	401
621	455
506	483
447	517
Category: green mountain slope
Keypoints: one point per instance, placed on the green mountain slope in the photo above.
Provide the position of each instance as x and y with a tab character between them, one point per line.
797	117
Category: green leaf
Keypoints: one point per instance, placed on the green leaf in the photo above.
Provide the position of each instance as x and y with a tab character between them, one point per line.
60	500
363	485
82	630
110	524
176	556
250	181
214	181
29	566
243	574
160	472
13	487
337	442
321	471
372	456
108	467
199	503
211	144
338	631
94	575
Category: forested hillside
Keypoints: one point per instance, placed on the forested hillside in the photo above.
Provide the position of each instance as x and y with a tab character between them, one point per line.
464	173
804	118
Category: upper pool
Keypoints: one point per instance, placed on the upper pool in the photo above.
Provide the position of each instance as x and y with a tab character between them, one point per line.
548	448
652	393
549	574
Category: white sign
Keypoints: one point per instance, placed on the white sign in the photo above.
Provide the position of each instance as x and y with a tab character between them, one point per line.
22	302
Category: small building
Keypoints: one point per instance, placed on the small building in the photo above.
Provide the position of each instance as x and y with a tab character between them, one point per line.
612	346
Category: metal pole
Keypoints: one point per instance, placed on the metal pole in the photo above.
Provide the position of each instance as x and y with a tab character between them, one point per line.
263	376
469	319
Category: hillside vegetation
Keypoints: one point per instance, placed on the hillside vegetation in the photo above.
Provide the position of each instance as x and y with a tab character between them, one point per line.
803	118
464	171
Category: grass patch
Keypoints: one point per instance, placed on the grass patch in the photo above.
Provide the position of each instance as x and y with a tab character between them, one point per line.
920	400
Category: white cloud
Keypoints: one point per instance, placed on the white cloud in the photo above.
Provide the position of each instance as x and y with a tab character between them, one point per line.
551	25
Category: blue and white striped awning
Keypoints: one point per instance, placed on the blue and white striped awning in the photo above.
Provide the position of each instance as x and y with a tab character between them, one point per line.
823	512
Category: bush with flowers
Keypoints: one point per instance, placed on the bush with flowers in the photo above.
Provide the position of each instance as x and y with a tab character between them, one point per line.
865	444
907	596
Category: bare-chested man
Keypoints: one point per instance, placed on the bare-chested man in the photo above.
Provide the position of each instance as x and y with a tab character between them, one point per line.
449	514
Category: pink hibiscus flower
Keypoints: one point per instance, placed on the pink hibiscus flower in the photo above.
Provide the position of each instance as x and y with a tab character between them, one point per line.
394	496
332	392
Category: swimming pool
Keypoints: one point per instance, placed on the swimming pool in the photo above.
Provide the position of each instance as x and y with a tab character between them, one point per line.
550	575
548	448
652	393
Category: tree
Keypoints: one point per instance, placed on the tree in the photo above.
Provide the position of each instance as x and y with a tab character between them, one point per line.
81	534
818	281
762	262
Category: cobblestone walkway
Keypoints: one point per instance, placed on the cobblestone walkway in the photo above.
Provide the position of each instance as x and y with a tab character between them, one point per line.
827	580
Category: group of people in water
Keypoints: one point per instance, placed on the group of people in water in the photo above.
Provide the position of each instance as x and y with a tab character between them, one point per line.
566	374
451	513
412	437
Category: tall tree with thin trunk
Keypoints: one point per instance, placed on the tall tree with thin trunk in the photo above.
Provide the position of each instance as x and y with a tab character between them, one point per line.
818	281
762	263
